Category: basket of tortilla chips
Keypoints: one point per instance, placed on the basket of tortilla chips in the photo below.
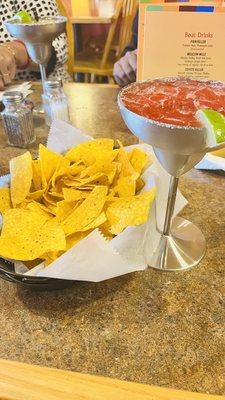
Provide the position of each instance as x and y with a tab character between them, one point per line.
56	201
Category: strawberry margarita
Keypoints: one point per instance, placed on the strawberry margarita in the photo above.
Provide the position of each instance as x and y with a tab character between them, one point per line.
174	101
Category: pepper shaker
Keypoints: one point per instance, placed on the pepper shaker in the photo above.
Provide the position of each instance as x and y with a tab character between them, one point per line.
18	120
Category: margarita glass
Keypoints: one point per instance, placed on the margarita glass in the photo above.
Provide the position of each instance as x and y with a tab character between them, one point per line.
162	112
38	37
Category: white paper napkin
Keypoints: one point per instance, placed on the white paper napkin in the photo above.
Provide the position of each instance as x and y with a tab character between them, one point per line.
211	162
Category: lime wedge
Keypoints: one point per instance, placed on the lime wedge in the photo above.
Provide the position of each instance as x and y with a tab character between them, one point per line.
24	17
214	122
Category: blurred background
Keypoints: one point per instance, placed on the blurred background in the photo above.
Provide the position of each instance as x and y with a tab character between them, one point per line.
98	31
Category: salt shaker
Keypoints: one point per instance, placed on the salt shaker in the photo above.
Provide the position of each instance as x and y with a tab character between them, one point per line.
18	120
55	101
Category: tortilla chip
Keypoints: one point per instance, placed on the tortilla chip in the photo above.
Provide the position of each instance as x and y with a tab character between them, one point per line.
24	204
64	209
87	151
139	184
50	257
76	168
126	186
51	198
104	229
61	170
126	167
86	212
55	195
33	263
88	189
102	164
51	207
43	207
49	161
116	174
37	181
37	196
96	223
26	235
129	211
111	172
21	177
73	239
138	160
111	195
5	200
77	182
72	194
59	185
39	210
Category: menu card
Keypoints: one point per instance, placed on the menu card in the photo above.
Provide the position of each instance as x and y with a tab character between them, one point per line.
181	39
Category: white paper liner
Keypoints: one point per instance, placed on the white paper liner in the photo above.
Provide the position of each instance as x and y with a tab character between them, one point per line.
75	261
94	258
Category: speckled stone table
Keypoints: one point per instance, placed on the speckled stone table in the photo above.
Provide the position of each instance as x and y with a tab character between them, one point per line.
166	329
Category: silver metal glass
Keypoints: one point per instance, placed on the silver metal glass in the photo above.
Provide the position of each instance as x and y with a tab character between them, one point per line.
38	37
178	149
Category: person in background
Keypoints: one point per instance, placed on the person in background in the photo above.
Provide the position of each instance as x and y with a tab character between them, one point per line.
14	60
125	69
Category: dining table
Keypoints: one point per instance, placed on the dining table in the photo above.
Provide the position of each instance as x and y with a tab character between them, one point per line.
158	328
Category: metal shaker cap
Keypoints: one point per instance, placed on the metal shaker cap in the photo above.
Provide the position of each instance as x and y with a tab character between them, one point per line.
13	97
53	84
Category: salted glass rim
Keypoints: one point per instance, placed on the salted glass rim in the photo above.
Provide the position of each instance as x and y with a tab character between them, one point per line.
54	19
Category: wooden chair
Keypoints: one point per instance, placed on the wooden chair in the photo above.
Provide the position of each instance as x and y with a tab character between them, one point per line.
70	37
128	13
92	64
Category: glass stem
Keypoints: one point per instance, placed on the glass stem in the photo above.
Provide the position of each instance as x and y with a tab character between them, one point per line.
170	205
43	74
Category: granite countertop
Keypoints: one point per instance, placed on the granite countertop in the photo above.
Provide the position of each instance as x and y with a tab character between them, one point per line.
165	329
